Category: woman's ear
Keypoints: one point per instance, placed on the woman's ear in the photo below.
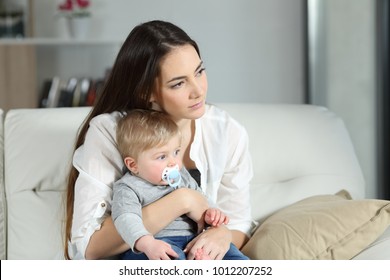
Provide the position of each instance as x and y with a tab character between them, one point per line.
154	104
153	98
131	164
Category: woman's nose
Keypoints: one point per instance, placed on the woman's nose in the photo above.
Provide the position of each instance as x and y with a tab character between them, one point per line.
197	89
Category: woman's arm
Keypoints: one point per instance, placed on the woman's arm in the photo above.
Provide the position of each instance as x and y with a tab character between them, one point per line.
107	242
162	212
239	238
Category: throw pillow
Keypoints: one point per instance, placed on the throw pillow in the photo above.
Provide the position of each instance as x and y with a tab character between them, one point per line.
320	227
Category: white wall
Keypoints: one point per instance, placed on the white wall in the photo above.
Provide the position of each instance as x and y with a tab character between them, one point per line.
253	49
349	79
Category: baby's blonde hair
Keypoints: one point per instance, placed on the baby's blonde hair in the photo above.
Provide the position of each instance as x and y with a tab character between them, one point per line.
141	130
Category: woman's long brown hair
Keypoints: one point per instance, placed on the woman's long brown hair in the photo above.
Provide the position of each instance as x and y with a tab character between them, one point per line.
129	85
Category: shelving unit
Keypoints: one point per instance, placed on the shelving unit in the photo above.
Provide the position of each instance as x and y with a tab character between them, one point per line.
27	63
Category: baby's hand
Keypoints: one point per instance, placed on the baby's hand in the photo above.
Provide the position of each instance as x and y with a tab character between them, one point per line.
155	249
214	217
200	255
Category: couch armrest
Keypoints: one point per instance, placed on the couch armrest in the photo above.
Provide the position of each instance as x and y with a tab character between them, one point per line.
3	221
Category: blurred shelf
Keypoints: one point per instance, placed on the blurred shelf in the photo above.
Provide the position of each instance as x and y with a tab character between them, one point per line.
27	63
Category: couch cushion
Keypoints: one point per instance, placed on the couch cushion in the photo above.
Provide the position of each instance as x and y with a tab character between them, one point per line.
378	250
38	147
297	151
2	194
320	227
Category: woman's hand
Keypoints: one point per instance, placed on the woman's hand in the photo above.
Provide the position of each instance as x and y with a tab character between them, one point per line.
214	242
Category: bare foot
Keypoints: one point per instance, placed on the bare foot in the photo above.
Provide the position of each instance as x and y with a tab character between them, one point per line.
200	255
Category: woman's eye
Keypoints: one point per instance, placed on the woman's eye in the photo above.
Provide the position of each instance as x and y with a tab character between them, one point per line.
200	71
177	85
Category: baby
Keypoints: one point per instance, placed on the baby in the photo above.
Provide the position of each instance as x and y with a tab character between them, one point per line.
149	142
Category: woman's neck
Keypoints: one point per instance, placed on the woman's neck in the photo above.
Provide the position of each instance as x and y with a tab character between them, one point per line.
184	124
187	128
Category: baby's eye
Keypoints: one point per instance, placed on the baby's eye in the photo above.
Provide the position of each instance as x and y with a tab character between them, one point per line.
162	157
177	152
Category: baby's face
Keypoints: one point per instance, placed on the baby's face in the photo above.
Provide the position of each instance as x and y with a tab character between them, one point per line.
151	163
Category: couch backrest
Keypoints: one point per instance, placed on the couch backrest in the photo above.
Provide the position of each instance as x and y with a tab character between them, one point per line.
2	194
297	151
38	145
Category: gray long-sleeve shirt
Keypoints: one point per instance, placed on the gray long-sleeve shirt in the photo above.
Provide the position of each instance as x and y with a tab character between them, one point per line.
131	193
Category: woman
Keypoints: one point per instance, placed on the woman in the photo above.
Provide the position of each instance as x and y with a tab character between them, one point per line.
159	67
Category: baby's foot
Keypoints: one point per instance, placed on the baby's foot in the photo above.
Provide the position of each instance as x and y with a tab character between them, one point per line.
200	255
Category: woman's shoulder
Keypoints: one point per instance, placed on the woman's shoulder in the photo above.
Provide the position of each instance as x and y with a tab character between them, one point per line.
104	125
216	115
214	110
106	119
106	122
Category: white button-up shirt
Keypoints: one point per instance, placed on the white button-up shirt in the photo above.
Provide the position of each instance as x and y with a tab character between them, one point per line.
220	152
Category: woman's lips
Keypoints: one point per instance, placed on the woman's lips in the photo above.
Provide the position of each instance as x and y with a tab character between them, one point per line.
197	105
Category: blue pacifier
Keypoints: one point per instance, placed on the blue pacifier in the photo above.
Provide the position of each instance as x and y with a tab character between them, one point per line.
172	176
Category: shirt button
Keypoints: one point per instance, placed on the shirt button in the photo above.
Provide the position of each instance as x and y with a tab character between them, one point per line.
103	204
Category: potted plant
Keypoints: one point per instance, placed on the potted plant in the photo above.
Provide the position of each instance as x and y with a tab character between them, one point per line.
77	13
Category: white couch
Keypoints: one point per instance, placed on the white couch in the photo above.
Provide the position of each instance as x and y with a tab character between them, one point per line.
298	151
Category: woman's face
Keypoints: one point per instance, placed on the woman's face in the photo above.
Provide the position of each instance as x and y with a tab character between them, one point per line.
182	84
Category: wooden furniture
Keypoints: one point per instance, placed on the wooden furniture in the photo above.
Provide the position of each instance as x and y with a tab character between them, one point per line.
18	82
